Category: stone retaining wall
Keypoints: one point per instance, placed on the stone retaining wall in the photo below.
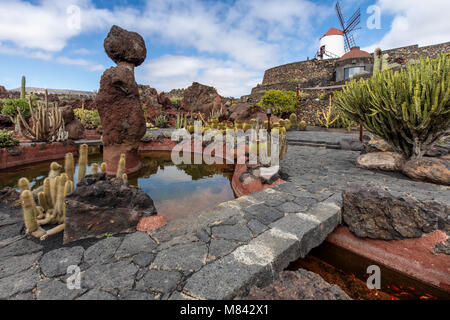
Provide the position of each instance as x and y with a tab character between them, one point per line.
309	73
313	73
404	54
27	154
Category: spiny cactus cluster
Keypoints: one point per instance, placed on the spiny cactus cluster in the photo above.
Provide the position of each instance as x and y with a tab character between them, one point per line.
161	121
47	123
52	207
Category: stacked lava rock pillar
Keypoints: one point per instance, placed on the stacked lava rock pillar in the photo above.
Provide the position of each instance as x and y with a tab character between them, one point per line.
118	100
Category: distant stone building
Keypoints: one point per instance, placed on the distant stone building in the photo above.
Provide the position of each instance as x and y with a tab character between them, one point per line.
319	78
319	74
354	62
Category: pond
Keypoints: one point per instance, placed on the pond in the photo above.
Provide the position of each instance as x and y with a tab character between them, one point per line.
177	190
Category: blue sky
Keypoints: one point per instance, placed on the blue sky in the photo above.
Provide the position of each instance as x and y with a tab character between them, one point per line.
226	44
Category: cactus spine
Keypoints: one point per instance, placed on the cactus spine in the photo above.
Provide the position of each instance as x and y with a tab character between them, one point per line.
121	166
82	162
69	166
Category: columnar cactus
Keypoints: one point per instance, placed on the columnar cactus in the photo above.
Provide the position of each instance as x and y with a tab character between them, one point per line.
121	166
69	166
377	61
94	168
23	88
24	184
29	214
293	119
46	122
52	206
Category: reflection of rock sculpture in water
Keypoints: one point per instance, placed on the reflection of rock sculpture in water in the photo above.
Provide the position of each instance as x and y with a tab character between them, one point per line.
118	100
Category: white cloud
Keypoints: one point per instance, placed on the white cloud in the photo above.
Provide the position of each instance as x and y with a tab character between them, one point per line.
90	65
14	51
82	51
170	72
236	41
415	22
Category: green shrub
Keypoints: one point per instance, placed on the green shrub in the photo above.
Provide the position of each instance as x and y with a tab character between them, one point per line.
283	103
6	139
175	101
89	118
161	121
410	109
10	107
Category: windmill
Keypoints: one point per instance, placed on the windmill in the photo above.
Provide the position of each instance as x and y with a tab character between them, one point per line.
349	27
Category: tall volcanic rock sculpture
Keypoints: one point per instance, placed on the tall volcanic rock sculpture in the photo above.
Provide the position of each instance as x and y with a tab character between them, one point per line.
118	100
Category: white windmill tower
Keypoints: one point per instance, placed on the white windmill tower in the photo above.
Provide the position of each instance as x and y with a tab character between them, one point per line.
332	45
335	43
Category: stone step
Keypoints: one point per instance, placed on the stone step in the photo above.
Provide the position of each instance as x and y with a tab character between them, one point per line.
313	141
314	144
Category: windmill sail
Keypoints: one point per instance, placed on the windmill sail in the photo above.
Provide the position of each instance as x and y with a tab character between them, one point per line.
349	27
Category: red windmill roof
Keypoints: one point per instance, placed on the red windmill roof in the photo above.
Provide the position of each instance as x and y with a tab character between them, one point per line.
334	32
355	52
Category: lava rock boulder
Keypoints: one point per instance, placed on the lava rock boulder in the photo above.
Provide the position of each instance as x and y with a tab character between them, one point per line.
298	285
378	214
125	46
434	170
100	205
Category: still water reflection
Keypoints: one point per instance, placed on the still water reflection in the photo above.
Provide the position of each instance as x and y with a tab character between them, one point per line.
177	190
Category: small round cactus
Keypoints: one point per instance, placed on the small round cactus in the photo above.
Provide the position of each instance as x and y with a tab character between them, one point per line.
302	125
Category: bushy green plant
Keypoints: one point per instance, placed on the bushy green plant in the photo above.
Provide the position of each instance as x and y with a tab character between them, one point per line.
175	101
89	118
161	121
410	109
10	107
6	139
283	103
